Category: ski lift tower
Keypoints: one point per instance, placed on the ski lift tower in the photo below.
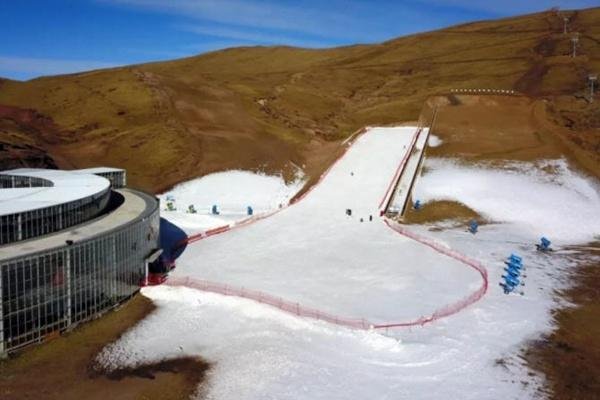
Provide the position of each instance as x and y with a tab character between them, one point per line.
565	25
575	40
593	79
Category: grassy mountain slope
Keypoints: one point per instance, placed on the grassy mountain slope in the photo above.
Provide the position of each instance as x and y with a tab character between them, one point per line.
259	107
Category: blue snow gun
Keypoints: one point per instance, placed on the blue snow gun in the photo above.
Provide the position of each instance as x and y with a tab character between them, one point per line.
515	257
511	281
513	264
544	244
515	273
514	261
507	288
214	210
249	210
417	205
473	227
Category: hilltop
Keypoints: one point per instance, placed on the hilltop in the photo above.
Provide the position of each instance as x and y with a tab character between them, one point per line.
259	107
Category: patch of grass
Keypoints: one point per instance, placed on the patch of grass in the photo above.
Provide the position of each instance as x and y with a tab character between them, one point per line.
440	211
170	121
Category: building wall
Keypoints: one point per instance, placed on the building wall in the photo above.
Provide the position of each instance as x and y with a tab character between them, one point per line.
118	179
19	181
34	223
56	289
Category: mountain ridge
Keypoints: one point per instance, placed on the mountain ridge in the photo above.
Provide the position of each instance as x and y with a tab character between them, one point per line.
259	108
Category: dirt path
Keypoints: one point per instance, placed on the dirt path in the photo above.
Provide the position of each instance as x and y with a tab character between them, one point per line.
64	369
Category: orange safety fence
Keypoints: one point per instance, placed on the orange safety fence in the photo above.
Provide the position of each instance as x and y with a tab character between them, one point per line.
264	298
303	311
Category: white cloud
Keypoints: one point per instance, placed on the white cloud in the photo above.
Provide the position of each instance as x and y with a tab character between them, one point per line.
46	66
325	20
251	36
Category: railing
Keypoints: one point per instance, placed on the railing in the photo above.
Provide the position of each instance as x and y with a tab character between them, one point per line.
308	312
442	249
264	298
389	193
508	92
23	181
255	218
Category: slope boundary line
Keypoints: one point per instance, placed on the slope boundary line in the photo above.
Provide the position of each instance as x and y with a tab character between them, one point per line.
297	309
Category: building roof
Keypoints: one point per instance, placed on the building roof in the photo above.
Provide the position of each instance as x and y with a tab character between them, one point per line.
66	186
98	170
136	204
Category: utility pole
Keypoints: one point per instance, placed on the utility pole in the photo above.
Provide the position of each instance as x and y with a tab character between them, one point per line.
565	25
593	79
575	40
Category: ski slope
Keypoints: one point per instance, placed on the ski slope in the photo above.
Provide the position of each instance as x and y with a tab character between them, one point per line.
314	254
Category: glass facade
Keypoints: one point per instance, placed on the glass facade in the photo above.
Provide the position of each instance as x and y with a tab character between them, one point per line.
34	223
18	181
118	179
56	289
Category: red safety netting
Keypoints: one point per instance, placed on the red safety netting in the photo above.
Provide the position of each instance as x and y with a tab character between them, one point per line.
255	218
264	298
387	197
357	323
441	248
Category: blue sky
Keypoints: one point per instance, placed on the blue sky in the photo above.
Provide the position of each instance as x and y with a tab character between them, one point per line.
46	37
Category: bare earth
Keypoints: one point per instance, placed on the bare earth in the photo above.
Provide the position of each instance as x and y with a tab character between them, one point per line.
261	108
268	108
64	369
495	128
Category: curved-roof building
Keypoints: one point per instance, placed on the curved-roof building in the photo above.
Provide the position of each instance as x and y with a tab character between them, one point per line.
39	201
72	245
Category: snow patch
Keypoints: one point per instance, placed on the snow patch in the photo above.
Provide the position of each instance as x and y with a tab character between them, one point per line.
541	199
232	192
434	141
315	254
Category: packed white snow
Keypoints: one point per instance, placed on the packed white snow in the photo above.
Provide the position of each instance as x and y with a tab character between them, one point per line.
258	352
540	199
232	192
434	141
315	254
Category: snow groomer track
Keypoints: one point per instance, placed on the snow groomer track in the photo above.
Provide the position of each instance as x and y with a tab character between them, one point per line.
312	260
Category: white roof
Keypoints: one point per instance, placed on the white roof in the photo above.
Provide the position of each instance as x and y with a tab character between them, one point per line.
98	170
134	205
67	186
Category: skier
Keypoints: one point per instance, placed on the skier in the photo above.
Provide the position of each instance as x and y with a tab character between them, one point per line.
370	218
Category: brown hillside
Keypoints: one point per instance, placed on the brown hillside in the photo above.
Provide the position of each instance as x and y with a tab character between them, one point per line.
260	107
